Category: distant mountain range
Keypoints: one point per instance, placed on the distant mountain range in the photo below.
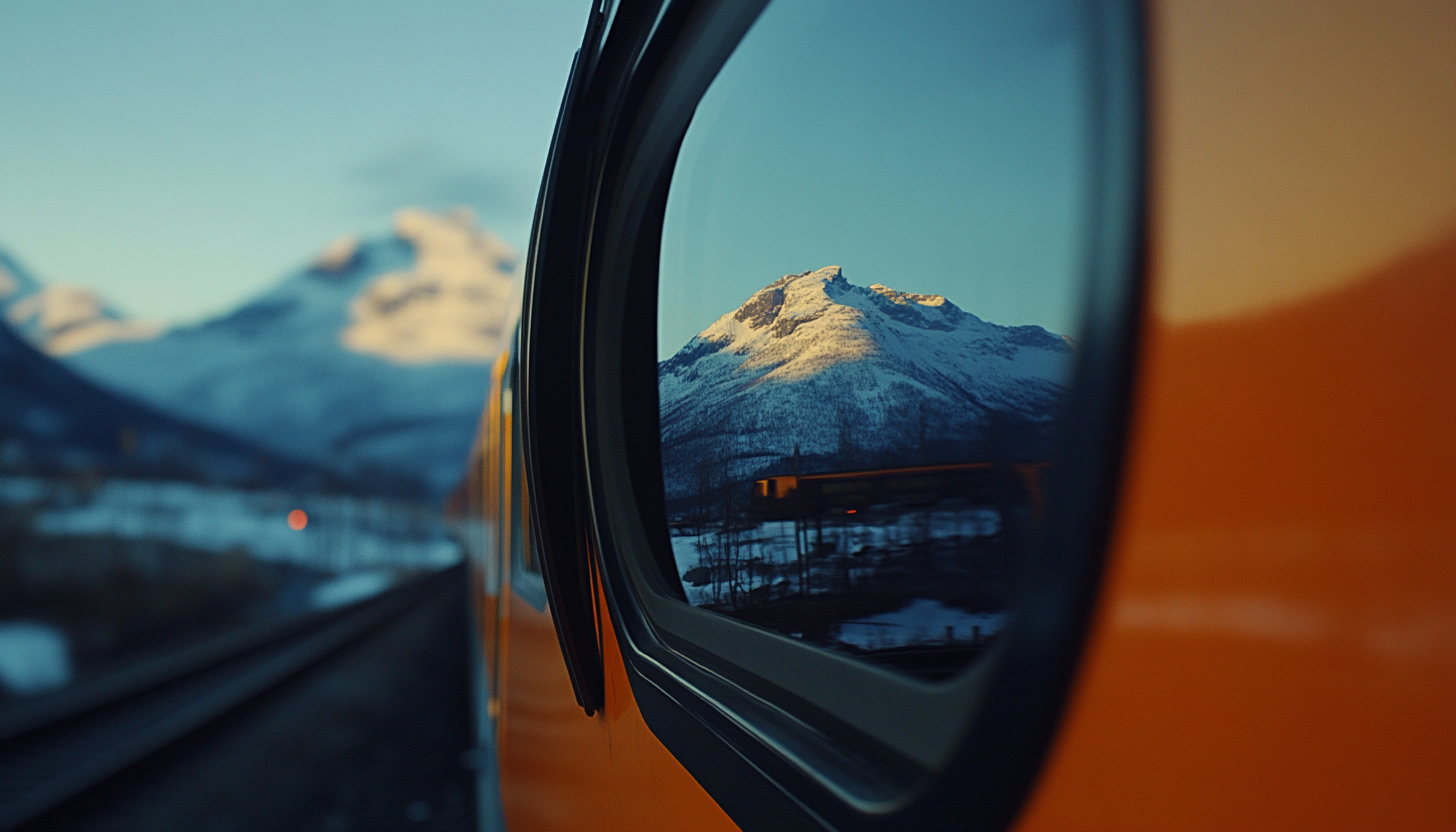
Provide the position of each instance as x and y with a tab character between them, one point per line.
854	377
371	362
53	422
60	320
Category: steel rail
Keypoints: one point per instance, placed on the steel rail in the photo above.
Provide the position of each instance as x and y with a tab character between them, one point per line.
57	747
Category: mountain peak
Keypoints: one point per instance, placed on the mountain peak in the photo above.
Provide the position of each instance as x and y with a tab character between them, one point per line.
797	300
338	256
858	374
449	306
372	358
903	298
61	320
828	274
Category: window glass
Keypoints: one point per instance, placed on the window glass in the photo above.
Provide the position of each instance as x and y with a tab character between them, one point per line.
524	552
525	564
868	311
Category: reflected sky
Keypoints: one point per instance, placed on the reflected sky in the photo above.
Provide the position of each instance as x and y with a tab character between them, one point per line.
939	159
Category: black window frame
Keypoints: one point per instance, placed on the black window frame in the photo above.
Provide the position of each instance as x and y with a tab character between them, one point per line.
782	734
523	559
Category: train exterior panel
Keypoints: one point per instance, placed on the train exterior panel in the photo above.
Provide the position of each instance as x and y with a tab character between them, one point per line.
1273	644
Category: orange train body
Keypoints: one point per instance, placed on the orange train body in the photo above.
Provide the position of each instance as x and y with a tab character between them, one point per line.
1274	644
557	768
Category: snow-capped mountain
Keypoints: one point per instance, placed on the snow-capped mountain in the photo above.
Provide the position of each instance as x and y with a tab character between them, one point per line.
855	377
60	320
448	307
52	421
372	359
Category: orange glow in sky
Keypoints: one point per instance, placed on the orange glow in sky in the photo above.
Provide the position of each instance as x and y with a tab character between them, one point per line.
297	519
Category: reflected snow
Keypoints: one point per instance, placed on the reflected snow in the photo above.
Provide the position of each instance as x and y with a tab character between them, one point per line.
853	551
855	467
920	588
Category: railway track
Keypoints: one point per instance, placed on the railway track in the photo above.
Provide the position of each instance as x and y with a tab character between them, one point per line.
58	747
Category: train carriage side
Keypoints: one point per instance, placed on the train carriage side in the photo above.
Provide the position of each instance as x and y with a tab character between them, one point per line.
1232	592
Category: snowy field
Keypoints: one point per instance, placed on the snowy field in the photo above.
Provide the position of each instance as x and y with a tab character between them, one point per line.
772	544
343	533
349	548
761	562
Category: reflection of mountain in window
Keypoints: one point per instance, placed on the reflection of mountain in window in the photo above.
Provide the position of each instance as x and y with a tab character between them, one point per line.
856	376
841	465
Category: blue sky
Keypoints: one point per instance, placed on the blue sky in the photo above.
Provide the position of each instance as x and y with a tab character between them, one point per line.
180	156
938	153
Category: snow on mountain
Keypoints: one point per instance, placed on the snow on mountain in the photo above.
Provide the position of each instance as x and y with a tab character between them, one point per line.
338	255
9	283
15	281
60	320
854	377
52	421
371	361
448	306
66	319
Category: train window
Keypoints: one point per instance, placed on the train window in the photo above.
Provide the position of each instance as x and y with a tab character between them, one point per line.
870	288
526	578
850	494
521	518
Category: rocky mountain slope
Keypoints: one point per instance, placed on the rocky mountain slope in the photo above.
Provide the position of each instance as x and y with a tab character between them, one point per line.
53	422
373	361
854	377
59	319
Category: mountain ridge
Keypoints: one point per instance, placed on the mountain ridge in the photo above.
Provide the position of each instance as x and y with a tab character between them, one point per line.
846	375
373	358
54	421
60	319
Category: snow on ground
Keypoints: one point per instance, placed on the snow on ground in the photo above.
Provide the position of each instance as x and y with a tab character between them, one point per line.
346	589
343	533
34	658
773	541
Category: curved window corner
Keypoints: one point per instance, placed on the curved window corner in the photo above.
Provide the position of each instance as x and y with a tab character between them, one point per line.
894	255
525	566
869	295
